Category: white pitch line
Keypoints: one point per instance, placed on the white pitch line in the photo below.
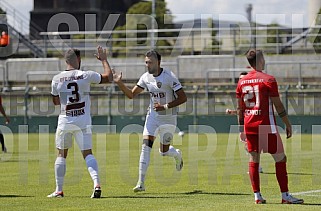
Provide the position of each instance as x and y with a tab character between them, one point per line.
306	192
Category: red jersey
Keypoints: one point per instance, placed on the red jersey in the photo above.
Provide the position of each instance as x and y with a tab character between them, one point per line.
256	89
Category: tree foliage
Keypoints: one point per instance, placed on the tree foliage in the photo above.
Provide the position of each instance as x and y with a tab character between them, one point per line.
144	10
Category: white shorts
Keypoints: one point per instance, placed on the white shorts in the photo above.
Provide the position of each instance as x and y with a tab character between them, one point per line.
165	126
83	138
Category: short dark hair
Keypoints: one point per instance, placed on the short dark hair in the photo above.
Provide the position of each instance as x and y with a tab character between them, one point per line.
153	53
71	57
253	55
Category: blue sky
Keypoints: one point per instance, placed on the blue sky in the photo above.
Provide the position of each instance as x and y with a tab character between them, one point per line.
286	12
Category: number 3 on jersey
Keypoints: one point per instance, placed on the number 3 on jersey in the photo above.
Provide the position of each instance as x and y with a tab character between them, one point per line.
74	92
249	93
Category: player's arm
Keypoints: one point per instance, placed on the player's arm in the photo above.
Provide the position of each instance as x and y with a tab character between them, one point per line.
231	112
56	100
4	114
240	118
181	98
101	55
130	93
282	113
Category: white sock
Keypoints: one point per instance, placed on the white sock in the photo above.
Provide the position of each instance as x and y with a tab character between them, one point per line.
172	152
285	195
144	162
60	171
93	169
257	195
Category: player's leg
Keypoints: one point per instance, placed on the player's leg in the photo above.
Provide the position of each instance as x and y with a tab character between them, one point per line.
4	149
247	152
254	162
83	139
277	151
144	162
150	129
63	143
166	131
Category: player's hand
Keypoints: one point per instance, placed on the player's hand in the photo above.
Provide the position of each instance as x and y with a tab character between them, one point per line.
101	54
230	112
116	76
7	120
158	107
288	131
242	137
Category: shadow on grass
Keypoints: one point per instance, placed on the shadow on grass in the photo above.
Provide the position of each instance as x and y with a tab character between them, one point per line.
14	196
195	192
138	197
310	204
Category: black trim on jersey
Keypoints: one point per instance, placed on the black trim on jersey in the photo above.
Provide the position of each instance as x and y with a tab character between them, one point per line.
179	89
159	72
101	78
140	86
75	106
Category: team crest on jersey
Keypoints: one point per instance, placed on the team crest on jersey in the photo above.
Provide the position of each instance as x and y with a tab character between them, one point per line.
159	84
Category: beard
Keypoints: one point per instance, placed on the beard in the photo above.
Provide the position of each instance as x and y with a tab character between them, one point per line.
152	70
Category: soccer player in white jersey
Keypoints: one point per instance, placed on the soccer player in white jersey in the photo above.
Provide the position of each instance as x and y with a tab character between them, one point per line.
166	93
70	90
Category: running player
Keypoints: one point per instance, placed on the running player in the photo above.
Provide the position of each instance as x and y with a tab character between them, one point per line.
166	93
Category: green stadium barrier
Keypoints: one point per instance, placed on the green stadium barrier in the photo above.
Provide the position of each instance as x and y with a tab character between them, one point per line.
220	123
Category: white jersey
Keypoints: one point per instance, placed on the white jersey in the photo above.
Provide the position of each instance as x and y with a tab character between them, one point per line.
73	89
162	90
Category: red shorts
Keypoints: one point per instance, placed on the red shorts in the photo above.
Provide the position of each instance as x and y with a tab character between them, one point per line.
266	143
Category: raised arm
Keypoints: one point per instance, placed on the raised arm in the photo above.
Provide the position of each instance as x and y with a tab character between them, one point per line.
130	93
101	55
282	113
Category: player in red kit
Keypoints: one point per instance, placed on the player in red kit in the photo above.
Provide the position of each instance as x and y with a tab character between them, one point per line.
257	92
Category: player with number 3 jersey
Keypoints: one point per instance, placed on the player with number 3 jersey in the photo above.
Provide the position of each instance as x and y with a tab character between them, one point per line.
70	90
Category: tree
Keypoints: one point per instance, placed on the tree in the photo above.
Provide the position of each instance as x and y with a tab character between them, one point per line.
146	8
273	33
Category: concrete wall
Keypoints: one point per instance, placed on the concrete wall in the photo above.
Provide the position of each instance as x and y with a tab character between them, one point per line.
187	67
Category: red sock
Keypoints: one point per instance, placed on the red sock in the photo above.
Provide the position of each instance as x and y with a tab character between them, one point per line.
282	176
254	176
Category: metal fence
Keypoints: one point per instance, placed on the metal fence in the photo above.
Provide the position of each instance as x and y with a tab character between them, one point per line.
232	40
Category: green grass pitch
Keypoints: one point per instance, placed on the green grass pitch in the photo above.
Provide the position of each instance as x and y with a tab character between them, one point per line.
214	176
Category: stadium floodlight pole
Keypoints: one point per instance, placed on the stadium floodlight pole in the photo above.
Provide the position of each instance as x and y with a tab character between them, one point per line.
152	37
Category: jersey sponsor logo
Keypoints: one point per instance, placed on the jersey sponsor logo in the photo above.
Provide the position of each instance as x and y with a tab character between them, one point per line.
159	84
158	94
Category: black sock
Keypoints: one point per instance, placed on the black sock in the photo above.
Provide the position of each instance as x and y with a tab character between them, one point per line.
2	141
